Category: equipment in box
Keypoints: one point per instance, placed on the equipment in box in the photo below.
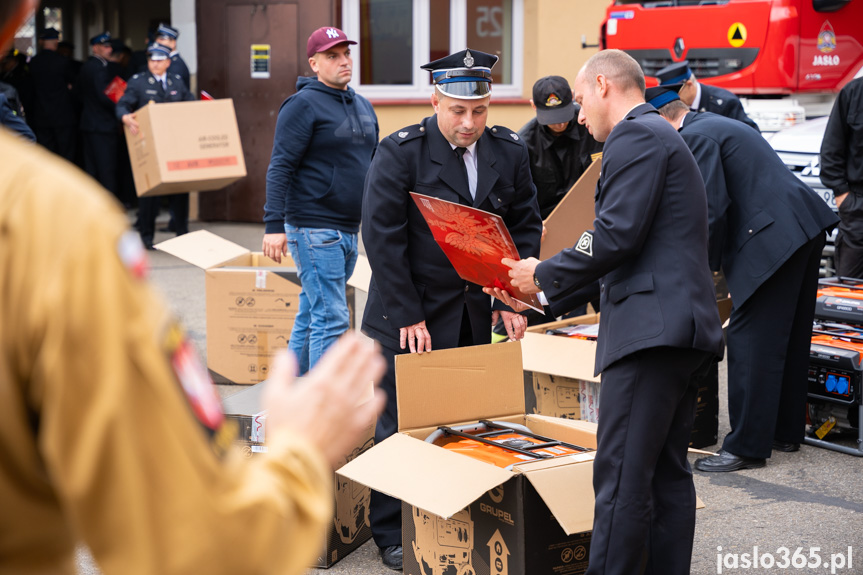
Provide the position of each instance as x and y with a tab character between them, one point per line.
835	386
501	444
840	299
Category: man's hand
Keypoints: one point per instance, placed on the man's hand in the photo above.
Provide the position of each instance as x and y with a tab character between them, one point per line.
839	199
326	405
131	122
506	299
416	336
521	274
514	323
275	246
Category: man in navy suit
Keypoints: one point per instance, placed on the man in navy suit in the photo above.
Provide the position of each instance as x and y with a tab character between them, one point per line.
660	329
415	296
767	231
703	97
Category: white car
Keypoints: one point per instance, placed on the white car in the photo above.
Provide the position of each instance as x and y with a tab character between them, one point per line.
799	148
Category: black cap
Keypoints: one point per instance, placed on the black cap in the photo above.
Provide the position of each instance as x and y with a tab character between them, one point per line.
658	96
552	97
49	34
465	75
676	73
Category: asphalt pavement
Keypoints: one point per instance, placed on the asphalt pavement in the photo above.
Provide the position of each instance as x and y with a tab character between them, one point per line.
809	503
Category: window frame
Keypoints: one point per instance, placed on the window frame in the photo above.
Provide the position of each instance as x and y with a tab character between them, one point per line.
421	88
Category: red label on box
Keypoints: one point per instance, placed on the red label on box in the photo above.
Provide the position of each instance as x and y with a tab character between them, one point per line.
202	163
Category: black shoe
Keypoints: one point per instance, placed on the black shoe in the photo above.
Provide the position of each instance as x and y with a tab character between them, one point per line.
725	461
165	229
392	557
785	446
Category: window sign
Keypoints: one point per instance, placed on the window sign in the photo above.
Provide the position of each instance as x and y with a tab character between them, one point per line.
260	61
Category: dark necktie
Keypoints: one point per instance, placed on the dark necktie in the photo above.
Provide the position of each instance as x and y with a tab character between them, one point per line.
460	153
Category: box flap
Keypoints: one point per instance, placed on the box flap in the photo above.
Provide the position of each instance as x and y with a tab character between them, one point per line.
573	215
362	276
462	384
568	492
559	355
202	248
424	475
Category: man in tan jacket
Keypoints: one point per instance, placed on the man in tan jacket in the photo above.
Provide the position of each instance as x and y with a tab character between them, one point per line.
111	432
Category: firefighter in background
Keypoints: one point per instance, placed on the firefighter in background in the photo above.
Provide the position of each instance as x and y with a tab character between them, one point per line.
111	432
703	97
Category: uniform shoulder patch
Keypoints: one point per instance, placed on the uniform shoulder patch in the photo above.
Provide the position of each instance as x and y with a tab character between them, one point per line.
505	133
135	76
409	133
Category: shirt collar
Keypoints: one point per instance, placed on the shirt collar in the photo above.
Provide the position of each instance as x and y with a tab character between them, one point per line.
696	103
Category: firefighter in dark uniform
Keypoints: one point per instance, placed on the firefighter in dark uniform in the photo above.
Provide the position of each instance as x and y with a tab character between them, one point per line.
98	125
660	329
55	116
416	298
842	172
159	86
703	97
167	36
766	233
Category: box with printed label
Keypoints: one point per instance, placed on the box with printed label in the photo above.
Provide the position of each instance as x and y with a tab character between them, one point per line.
185	146
350	526
251	303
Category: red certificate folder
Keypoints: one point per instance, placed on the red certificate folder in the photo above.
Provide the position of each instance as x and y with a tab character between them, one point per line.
474	241
116	89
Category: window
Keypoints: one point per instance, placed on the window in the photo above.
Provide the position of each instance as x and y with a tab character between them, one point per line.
396	37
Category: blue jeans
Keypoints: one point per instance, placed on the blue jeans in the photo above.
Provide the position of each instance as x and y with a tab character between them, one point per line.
325	260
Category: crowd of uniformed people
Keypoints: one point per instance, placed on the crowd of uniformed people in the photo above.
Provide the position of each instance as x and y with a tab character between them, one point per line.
676	199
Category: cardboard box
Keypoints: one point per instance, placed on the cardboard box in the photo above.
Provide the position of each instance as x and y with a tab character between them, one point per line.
462	515
185	146
350	527
573	215
251	303
559	380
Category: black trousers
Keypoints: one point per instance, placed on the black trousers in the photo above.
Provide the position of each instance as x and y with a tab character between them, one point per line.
148	210
645	499
768	356
100	158
385	512
60	140
849	238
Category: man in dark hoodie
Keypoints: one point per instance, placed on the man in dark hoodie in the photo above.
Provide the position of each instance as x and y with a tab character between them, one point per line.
326	135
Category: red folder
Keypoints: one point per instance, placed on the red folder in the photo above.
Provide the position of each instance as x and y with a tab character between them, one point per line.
116	88
474	241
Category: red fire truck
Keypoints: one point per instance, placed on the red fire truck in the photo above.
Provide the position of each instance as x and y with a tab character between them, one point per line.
758	48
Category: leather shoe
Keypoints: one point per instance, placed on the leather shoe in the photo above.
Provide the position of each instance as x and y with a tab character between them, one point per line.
726	461
392	557
786	446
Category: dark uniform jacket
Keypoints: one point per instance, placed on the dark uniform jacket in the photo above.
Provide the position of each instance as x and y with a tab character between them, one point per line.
842	146
144	88
648	246
53	76
412	279
97	112
722	102
10	119
178	66
760	213
557	161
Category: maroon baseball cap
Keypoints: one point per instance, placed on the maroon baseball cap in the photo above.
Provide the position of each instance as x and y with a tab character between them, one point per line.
325	38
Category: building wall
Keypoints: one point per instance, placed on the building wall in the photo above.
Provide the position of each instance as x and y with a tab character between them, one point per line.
552	46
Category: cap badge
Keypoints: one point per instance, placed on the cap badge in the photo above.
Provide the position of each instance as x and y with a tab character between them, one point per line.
468	59
514	136
403	134
553	101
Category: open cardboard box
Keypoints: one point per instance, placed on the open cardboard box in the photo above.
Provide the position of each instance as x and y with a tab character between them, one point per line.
251	303
185	146
462	512
350	525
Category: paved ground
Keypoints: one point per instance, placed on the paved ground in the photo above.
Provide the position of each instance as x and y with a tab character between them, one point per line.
810	499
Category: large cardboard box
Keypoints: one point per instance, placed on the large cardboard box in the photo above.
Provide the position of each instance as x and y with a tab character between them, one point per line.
251	303
462	515
350	526
559	380
185	146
